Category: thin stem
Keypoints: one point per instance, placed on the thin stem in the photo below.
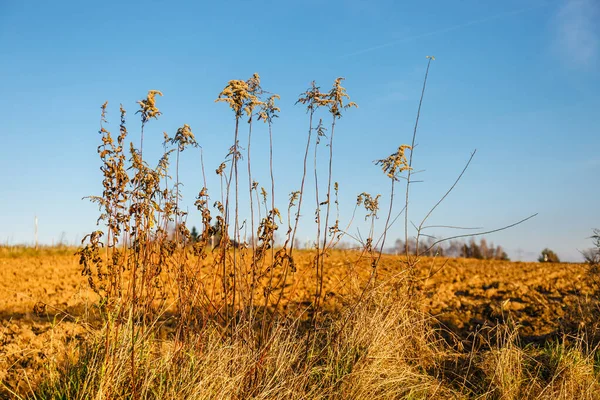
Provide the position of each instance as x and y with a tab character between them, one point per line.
272	261
202	164
253	272
236	234
303	180
225	228
385	231
479	233
318	221
272	185
412	150
330	173
177	198
420	228
142	140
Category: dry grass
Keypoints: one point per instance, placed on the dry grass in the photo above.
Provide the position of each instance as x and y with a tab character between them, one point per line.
218	317
381	350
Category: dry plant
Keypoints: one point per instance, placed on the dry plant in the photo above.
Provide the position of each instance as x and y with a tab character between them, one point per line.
387	351
206	318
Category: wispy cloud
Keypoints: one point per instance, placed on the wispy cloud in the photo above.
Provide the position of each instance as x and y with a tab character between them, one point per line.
444	30
578	32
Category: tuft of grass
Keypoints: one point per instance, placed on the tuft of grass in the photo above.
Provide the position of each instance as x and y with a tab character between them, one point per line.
381	350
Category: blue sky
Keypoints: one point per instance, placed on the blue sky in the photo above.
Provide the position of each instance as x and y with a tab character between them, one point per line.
516	80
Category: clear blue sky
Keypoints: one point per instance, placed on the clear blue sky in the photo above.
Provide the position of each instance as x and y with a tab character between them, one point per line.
517	80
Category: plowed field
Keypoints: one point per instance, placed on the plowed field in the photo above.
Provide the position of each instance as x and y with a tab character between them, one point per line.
44	300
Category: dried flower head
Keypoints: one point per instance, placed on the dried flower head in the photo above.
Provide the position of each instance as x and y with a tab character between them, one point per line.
263	194
336	97
103	114
313	98
396	163
219	206
148	106
242	96
370	203
294	198
221	168
255	91
254	84
184	137
268	109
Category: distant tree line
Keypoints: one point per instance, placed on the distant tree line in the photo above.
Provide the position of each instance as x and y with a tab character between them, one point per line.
453	248
549	256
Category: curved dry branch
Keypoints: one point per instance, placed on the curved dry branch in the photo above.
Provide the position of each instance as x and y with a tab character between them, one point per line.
478	233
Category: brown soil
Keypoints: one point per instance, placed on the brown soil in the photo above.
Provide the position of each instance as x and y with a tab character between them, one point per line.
42	301
45	302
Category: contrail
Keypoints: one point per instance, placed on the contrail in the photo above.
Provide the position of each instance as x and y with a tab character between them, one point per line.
450	29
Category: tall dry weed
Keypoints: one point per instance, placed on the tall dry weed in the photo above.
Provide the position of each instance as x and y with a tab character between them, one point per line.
206	318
